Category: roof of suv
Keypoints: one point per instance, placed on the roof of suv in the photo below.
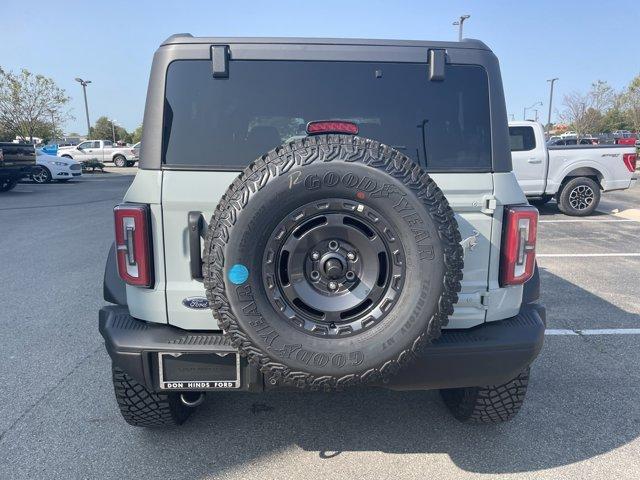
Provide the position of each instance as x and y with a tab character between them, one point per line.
187	38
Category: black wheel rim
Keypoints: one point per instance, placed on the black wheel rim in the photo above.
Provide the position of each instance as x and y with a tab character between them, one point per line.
334	268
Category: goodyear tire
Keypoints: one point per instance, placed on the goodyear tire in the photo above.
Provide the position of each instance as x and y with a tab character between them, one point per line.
331	260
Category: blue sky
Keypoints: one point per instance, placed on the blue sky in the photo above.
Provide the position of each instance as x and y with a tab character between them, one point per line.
112	43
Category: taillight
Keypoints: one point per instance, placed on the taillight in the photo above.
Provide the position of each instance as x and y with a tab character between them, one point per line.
630	160
518	245
133	244
332	126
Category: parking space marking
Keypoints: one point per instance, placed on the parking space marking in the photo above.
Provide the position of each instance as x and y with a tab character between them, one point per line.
555	255
596	331
593	220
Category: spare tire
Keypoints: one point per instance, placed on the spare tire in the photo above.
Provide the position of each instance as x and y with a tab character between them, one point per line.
331	260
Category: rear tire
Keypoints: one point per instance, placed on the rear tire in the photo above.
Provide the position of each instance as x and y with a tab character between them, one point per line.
7	184
493	404
119	161
579	197
142	408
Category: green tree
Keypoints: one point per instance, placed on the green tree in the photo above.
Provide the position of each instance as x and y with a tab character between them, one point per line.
28	102
631	102
136	136
102	129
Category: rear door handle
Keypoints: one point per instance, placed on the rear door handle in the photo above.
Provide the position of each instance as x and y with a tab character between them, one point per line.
196	227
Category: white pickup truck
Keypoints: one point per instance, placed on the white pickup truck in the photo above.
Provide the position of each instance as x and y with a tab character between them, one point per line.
574	175
101	150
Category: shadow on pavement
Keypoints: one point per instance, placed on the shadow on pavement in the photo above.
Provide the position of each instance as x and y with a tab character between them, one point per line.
580	404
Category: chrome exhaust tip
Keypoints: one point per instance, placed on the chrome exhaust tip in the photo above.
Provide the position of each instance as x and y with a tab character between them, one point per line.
192	399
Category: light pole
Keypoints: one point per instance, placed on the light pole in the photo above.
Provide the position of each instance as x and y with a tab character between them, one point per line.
460	23
524	112
113	131
84	84
551	81
53	125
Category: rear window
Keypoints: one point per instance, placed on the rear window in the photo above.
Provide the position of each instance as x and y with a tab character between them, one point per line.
522	139
226	123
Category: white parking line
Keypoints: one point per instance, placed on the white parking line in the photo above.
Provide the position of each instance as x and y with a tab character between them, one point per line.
597	331
594	220
543	255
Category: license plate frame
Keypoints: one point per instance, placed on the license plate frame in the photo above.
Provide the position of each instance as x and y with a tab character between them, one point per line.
199	384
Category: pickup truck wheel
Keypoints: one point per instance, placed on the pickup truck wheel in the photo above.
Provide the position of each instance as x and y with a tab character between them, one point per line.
41	175
331	261
579	197
142	408
493	404
7	184
120	161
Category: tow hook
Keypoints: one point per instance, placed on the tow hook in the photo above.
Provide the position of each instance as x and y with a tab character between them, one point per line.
192	399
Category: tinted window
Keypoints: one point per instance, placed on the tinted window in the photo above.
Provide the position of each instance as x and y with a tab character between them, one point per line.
228	122
86	145
522	139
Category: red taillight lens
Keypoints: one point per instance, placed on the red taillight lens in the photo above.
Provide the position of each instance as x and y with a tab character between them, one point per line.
518	245
630	161
133	244
332	126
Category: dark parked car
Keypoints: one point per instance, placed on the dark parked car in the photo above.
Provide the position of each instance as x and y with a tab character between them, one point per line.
573	141
17	160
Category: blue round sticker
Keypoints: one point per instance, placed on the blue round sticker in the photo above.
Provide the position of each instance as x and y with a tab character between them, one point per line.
238	274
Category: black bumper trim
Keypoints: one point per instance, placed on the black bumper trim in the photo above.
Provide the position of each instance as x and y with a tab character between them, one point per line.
488	354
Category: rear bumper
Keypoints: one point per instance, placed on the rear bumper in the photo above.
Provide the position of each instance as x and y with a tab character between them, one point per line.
489	354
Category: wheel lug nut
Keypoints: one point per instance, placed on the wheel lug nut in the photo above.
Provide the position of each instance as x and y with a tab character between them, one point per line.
315	255
332	285
351	256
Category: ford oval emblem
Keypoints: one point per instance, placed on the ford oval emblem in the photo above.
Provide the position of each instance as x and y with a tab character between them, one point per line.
196	303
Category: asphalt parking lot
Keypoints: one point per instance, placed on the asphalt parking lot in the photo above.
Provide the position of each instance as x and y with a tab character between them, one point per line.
59	418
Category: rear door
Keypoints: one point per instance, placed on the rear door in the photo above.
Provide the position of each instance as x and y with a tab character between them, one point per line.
214	127
529	158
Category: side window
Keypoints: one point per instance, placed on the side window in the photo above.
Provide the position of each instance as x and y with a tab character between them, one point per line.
85	145
107	143
96	144
522	139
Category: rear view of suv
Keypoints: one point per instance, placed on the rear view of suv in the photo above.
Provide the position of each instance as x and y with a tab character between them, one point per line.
322	214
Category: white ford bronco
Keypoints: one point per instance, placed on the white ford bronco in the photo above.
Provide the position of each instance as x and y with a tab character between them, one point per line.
321	215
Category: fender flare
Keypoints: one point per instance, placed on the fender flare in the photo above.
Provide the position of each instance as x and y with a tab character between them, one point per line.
585	169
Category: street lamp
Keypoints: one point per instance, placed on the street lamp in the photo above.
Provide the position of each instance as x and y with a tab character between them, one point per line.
113	130
84	84
460	23
53	125
551	81
524	112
